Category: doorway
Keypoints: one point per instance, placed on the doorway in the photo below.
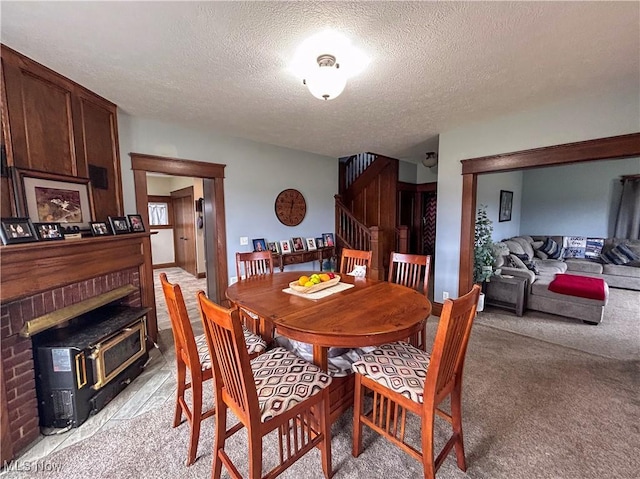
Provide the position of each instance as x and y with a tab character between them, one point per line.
417	206
215	244
615	147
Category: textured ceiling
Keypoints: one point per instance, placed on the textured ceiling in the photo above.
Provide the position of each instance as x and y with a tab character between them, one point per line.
434	65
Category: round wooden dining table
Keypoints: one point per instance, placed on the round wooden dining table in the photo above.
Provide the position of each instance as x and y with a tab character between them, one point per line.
369	314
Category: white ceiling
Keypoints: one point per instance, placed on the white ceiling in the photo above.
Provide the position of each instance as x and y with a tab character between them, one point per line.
434	65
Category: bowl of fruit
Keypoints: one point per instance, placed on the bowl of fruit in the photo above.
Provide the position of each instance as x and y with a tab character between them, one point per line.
315	282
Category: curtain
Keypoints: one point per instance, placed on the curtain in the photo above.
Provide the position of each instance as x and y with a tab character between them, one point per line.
628	219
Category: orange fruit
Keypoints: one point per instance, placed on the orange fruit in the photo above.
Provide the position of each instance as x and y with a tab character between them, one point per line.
324	277
303	280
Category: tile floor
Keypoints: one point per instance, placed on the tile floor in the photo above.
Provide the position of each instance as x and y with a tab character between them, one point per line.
154	388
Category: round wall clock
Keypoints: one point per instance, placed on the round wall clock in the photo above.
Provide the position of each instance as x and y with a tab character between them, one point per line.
290	207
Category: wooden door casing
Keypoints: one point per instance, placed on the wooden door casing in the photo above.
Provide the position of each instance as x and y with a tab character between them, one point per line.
184	232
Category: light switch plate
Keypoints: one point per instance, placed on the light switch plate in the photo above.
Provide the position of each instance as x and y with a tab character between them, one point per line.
244	240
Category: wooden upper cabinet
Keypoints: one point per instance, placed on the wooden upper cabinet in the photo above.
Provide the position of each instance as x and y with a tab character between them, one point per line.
100	147
39	111
54	125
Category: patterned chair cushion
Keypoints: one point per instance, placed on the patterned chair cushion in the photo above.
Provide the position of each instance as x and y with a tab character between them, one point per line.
203	351
397	366
284	380
339	360
255	344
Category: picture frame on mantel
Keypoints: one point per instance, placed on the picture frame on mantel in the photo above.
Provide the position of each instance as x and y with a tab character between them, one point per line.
52	198
17	230
506	205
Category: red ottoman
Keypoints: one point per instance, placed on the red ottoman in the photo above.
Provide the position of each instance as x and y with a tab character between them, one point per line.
573	296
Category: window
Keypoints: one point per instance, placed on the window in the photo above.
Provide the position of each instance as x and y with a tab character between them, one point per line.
159	211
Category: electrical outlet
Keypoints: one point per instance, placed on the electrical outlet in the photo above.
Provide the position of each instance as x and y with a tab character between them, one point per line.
445	295
244	240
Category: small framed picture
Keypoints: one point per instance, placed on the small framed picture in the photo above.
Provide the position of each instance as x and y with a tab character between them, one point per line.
259	244
137	226
119	225
285	246
48	231
99	228
311	244
274	247
298	244
319	242
328	239
17	230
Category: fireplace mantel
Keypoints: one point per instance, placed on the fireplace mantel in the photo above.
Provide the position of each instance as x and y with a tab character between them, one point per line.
32	267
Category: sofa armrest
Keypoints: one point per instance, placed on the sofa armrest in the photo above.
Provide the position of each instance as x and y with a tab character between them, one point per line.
519	273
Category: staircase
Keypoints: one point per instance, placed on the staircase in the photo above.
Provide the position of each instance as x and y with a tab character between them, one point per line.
365	209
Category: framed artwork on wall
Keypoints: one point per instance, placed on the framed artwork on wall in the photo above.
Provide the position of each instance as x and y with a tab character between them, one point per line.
506	203
51	198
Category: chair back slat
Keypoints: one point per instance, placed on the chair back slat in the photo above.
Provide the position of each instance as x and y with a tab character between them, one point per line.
185	343
252	264
449	348
351	258
231	366
410	270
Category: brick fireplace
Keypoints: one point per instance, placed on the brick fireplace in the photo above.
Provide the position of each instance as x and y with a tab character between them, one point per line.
38	279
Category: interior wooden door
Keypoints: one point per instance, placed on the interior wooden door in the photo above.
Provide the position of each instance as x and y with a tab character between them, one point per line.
184	231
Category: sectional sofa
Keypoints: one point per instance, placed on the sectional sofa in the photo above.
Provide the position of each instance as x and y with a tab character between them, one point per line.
528	257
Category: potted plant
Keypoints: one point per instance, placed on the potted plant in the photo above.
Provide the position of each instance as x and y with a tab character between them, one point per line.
483	256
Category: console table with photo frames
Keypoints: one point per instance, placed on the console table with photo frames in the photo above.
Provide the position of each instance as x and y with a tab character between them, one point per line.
320	254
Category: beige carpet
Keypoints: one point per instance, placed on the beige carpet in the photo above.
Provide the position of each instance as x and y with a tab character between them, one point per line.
617	336
531	410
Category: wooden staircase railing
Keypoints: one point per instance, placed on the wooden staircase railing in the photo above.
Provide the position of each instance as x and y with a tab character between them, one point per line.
350	232
355	166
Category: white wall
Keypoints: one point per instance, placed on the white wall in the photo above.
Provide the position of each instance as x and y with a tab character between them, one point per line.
572	120
254	175
581	199
488	194
407	172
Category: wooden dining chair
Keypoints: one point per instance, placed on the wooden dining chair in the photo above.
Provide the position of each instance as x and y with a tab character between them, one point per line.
412	271
192	355
248	265
405	379
349	258
277	390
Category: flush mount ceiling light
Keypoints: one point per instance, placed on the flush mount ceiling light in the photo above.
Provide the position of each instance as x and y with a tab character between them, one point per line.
430	160
324	63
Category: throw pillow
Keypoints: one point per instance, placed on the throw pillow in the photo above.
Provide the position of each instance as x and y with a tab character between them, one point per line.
528	263
621	254
516	262
594	248
541	255
551	249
